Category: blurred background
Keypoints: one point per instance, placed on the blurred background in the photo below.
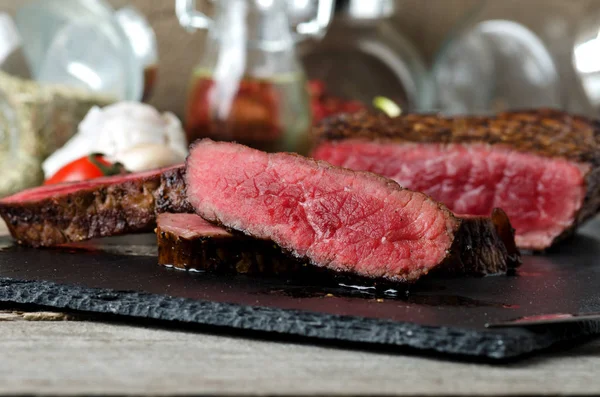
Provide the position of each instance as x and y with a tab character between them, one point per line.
426	24
125	77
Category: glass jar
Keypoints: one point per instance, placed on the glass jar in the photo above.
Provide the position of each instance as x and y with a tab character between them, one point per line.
364	55
248	85
586	57
86	44
508	55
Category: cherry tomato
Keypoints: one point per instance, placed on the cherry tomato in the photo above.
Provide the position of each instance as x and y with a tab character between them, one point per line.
84	168
353	106
325	105
316	88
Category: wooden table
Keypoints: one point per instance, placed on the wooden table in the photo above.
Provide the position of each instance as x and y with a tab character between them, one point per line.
75	357
48	353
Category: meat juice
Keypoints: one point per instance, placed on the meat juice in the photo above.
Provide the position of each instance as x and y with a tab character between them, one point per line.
268	114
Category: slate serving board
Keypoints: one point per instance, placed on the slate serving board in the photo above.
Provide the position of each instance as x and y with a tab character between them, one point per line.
120	276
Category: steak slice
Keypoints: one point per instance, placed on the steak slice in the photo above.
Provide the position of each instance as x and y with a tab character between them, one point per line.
542	167
187	241
69	212
342	220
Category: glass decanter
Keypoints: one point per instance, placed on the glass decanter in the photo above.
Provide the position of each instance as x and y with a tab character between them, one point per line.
249	86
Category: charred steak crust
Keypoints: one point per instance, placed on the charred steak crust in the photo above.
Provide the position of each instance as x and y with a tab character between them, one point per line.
480	246
545	132
234	253
237	253
97	211
170	194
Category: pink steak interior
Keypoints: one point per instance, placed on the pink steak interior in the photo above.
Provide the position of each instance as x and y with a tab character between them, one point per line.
540	195
189	226
43	192
338	218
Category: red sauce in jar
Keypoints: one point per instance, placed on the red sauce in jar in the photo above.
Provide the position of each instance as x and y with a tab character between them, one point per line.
270	115
250	115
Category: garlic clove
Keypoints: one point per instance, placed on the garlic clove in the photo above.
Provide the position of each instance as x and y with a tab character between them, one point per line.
148	156
118	127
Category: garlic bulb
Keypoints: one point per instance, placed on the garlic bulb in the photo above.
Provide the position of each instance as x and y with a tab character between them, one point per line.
117	128
148	156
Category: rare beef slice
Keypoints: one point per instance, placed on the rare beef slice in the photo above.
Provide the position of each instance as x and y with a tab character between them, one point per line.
541	167
68	212
346	221
186	241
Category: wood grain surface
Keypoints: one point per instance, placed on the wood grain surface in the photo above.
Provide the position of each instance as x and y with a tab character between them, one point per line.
89	358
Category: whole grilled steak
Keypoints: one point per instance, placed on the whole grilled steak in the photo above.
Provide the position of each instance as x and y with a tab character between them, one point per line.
542	167
187	241
346	221
68	212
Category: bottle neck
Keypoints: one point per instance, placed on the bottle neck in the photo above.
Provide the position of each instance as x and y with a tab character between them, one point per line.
261	25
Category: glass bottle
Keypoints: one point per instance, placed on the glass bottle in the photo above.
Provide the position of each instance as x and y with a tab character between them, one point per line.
249	86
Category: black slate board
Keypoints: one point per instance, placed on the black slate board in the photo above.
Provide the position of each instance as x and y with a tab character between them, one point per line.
119	276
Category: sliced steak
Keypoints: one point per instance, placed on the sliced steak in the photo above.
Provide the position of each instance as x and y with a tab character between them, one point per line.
69	212
187	241
346	221
542	167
